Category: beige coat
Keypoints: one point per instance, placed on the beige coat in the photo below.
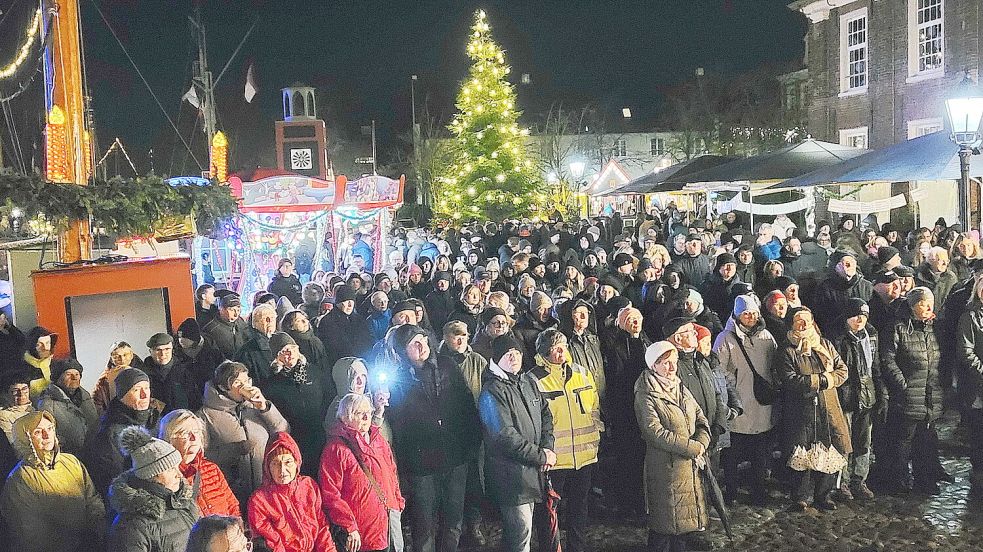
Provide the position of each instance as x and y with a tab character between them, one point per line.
673	429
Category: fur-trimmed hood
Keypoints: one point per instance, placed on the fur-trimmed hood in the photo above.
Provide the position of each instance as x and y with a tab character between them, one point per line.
131	495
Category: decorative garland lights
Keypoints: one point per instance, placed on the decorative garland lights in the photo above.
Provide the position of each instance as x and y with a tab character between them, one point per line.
33	31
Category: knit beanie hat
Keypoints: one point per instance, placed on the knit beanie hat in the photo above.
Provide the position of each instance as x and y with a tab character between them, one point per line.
278	341
656	350
489	313
611	281
379	278
616	304
855	306
443	275
702	332
782	282
574	261
538	299
189	329
159	340
503	344
624	313
402	335
724	258
621	259
129	377
415	269
885	253
672	326
150	456
745	303
344	293
401	306
695	296
59	367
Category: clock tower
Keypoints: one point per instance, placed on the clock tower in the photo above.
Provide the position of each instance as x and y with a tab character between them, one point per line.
301	139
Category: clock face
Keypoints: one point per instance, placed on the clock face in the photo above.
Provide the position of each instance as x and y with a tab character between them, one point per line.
301	160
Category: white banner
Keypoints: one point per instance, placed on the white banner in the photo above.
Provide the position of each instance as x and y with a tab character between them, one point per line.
738	204
867	207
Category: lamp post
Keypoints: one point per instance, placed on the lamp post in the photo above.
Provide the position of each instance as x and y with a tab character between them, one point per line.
964	110
577	172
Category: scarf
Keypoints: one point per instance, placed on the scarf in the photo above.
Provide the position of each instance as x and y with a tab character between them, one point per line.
669	385
807	342
298	373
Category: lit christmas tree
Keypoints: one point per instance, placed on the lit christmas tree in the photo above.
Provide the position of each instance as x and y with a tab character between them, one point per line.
491	176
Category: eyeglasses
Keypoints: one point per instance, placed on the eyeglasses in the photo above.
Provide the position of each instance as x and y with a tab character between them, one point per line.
498	323
23	390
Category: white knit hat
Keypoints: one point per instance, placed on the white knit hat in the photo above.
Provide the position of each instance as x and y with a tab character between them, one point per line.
656	350
150	456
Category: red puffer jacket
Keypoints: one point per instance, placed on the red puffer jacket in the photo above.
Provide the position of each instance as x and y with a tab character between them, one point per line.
214	495
349	499
289	517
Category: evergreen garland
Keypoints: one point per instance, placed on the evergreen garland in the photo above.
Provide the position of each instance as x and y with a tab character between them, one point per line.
126	207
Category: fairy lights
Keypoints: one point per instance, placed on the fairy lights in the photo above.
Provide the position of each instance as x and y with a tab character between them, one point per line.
33	31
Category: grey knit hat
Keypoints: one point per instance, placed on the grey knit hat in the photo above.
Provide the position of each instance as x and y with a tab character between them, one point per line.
150	456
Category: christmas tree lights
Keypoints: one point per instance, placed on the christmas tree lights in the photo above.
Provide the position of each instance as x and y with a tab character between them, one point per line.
220	158
490	177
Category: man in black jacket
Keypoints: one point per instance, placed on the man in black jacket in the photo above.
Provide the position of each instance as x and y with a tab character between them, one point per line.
717	289
343	331
577	322
435	436
696	374
227	330
286	283
518	431
844	282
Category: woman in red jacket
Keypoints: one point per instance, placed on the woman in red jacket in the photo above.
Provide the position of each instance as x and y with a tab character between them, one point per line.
186	432
286	510
368	508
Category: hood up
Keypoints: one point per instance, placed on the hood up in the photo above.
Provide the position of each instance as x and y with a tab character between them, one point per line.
282	439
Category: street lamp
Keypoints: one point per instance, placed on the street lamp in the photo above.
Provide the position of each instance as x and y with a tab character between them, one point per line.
577	169
964	109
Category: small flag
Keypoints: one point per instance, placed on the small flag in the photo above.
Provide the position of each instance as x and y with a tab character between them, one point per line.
250	90
191	96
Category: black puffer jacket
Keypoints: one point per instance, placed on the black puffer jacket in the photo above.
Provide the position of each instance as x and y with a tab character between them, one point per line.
694	268
910	364
970	354
287	286
344	335
102	455
434	419
517	426
151	517
865	386
717	294
941	283
832	295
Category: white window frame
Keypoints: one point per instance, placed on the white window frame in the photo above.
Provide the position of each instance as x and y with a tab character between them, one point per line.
849	135
620	148
846	50
654	145
921	127
915	72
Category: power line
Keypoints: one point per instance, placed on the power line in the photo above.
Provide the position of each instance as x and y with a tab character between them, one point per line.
147	84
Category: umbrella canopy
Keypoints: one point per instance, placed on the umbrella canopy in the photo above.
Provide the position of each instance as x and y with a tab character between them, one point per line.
788	162
930	157
654	182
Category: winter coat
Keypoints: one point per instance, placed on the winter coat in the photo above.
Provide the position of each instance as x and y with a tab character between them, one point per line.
970	353
378	324
317	357
762	348
517	426
229	423
229	337
349	499
41	373
212	492
290	517
883	316
728	394
624	361
792	264
440	305
302	405
585	348
151	518
13	343
74	422
717	294
167	383
812	261
467	314
673	428
105	390
344	335
434	419
770	251
811	410
832	295
569	390
287	286
199	366
9	415
471	365
50	506
941	283
527	330
910	366
694	269
257	356
864	387
696	374
102	455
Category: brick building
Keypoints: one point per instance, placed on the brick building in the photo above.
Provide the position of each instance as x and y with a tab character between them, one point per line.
879	70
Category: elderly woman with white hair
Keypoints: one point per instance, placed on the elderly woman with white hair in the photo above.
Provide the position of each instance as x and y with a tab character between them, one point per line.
186	433
358	479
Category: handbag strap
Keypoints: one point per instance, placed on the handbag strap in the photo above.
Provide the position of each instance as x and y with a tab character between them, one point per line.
365	469
747	357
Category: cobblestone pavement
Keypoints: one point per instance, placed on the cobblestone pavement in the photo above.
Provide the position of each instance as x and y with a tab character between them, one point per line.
949	521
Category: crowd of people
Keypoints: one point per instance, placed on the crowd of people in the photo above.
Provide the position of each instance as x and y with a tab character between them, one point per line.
498	370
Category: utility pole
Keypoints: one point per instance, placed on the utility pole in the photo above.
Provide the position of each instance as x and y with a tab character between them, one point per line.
374	162
202	79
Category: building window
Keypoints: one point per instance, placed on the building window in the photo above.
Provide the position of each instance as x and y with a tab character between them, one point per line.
853	51
921	127
854	137
792	97
925	37
658	146
620	148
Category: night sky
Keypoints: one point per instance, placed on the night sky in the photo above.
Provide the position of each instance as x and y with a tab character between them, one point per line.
360	55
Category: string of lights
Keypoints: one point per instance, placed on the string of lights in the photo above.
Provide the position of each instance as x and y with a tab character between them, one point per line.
33	32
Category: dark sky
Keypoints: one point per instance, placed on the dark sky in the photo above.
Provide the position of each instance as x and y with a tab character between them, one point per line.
360	55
